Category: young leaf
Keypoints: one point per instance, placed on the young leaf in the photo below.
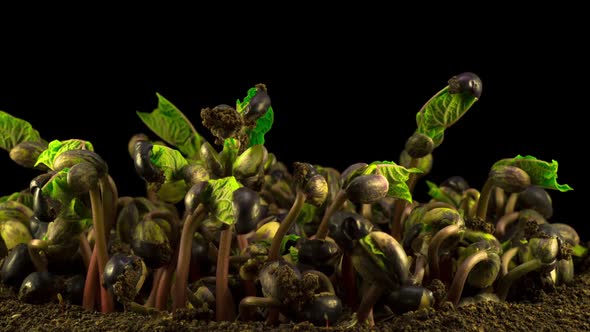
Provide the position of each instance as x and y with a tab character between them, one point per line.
169	161
396	175
231	148
263	125
307	214
286	239
542	173
241	105
367	243
57	188
435	192
173	191
14	131
442	111
172	126
219	199
56	147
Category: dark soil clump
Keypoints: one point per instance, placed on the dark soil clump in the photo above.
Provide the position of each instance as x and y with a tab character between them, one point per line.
565	309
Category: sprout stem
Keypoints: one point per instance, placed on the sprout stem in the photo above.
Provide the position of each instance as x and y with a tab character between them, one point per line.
400	204
191	224
349	281
454	293
163	290
100	246
325	283
151	300
464	204
275	245
506	259
484	198
370	297
434	247
367	212
91	284
419	269
506	282
500	199
224	306
505	221
85	251
337	203
511	203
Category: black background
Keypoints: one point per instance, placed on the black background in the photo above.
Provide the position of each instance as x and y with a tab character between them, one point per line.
341	94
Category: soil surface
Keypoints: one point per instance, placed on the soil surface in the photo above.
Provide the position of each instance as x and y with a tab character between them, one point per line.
565	309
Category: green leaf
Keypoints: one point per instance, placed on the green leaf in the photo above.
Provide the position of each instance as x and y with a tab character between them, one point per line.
56	147
263	125
172	126
441	112
307	214
294	253
219	199
57	187
241	106
542	173
435	192
229	154
12	197
14	131
169	161
368	244
396	175
172	192
286	239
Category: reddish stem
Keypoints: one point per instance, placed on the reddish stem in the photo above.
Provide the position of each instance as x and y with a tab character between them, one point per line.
224	306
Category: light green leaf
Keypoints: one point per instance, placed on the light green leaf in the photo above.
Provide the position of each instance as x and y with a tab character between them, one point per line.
172	192
169	161
219	199
263	125
56	147
172	126
294	253
441	112
368	244
307	214
286	239
542	173
228	155
396	175
241	105
14	131
57	187
12	197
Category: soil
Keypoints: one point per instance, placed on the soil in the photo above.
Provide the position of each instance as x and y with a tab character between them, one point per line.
567	308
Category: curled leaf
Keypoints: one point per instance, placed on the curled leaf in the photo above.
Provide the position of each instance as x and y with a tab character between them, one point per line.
14	131
219	199
56	147
396	175
445	108
172	126
541	173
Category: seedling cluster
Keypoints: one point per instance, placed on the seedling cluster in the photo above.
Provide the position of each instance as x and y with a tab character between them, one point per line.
228	230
